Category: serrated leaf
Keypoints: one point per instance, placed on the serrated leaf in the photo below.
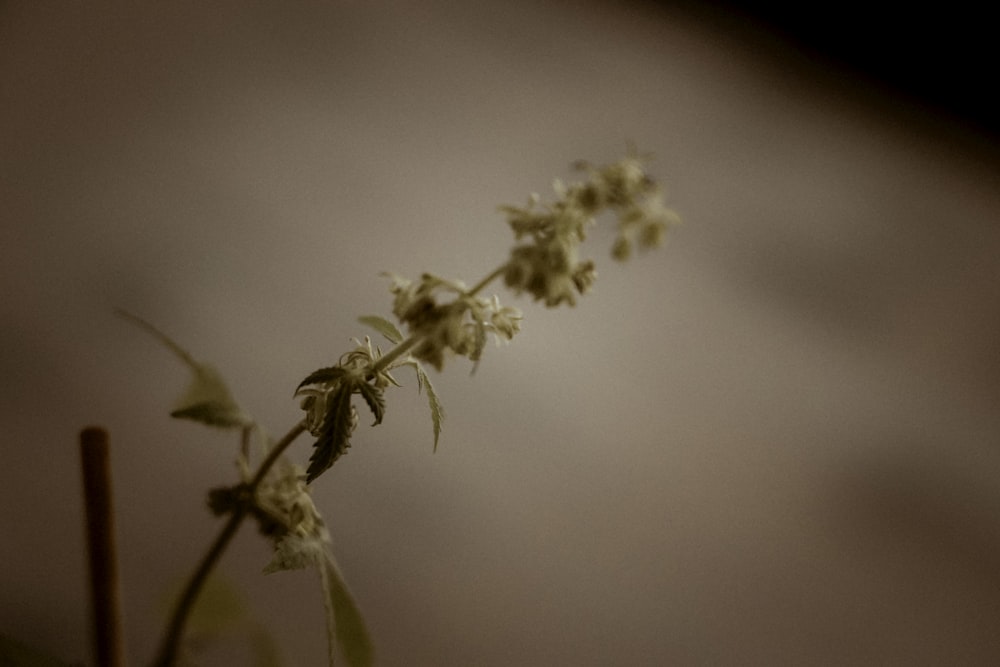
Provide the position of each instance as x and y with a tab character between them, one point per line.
335	435
322	375
344	625
220	606
383	326
437	410
373	397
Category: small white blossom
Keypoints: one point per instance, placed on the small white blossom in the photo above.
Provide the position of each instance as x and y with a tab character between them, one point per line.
506	320
303	538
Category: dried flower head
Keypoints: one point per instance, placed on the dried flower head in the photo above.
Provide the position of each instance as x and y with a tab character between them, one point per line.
549	267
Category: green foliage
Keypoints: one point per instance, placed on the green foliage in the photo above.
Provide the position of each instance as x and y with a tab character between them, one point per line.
207	399
384	327
322	376
344	623
437	410
373	397
335	434
222	615
442	318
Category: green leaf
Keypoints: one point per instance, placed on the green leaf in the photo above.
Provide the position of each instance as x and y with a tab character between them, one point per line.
373	397
383	326
323	375
220	606
207	399
222	619
344	625
335	435
437	410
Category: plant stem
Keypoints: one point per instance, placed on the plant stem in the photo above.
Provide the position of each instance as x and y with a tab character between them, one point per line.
481	285
105	600
275	454
395	353
167	656
175	631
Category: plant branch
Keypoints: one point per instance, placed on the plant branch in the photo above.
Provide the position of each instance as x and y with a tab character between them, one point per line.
386	359
481	285
275	453
175	631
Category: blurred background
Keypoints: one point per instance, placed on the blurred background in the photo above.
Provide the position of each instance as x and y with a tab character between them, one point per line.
775	442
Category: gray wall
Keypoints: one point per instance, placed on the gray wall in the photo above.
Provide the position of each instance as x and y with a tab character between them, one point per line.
775	442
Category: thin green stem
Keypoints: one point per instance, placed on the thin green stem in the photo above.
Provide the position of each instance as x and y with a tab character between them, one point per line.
481	285
175	630
275	454
395	353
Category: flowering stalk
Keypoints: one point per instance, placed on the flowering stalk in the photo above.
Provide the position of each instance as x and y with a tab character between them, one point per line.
443	318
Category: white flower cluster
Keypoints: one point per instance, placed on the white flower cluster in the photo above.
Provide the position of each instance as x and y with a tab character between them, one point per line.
550	268
302	537
460	325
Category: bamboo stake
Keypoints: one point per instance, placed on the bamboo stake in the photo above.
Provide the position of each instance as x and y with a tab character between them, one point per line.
104	592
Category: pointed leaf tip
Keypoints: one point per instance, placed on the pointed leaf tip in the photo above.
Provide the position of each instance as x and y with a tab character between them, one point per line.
437	410
383	326
373	397
344	623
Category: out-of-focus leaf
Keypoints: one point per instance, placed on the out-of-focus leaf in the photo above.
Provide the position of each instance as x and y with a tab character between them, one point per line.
221	620
344	625
220	607
383	326
207	399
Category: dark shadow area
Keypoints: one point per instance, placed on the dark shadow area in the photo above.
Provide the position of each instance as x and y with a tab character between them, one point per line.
932	65
908	508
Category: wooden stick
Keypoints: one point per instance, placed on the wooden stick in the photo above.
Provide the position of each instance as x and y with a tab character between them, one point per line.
104	595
